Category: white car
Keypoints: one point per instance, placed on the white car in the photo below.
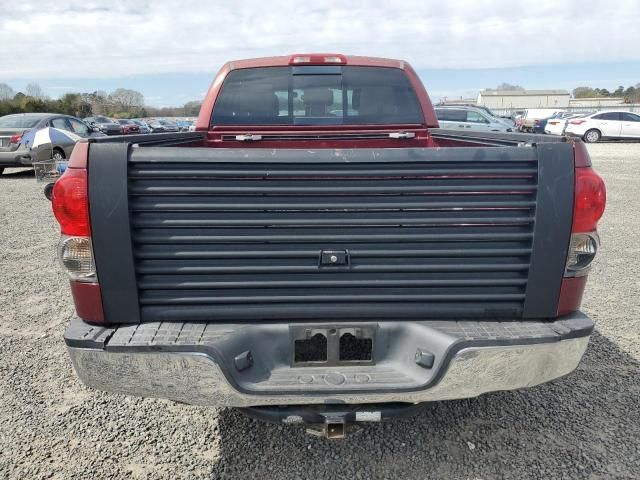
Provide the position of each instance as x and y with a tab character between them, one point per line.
531	119
472	119
557	125
605	125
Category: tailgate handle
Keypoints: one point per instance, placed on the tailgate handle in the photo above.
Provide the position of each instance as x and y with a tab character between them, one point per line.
402	135
248	138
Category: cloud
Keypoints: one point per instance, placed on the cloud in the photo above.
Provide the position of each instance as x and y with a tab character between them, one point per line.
78	38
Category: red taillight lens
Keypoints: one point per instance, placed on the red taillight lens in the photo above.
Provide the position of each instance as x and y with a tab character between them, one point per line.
16	138
577	122
70	202
590	200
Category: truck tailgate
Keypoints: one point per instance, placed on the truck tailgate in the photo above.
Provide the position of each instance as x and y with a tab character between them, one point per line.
329	235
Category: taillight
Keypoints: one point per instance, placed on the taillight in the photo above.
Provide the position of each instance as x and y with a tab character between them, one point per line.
16	138
577	122
317	59
76	256
590	197
588	206
70	202
300	59
334	59
582	251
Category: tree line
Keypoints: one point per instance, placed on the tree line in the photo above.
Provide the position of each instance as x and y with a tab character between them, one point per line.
630	94
127	103
121	103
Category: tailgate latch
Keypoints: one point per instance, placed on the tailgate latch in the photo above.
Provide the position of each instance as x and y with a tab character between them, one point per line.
334	258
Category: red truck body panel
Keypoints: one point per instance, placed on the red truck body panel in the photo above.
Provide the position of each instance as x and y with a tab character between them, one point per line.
203	124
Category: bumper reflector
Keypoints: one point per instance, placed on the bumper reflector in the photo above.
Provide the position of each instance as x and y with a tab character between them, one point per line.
88	301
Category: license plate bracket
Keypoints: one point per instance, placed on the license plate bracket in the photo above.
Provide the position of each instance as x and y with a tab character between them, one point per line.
333	345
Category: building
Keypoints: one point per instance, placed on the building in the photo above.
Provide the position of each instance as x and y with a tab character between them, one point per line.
520	99
460	101
596	103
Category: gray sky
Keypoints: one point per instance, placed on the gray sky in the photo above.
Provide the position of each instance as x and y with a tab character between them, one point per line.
75	38
170	50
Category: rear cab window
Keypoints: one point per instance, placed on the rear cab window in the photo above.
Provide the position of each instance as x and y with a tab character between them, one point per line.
451	115
317	95
18	121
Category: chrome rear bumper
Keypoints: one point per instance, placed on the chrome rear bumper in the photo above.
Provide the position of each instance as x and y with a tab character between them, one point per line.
471	358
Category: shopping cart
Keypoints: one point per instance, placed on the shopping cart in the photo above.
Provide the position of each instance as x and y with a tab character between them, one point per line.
48	172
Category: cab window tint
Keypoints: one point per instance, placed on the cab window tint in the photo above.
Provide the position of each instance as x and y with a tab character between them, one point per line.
18	121
475	117
316	95
451	115
79	127
608	116
60	123
630	117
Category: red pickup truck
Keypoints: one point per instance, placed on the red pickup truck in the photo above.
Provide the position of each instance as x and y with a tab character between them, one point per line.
320	252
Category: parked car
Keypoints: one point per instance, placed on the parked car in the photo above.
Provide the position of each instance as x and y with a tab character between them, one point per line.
142	125
471	119
605	125
155	125
310	266
557	125
540	125
169	125
13	153
129	127
106	125
184	125
533	117
505	118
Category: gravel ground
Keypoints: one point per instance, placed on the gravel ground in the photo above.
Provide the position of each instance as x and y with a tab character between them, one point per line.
586	425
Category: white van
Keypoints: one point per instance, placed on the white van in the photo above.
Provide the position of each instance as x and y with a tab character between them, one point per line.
471	119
